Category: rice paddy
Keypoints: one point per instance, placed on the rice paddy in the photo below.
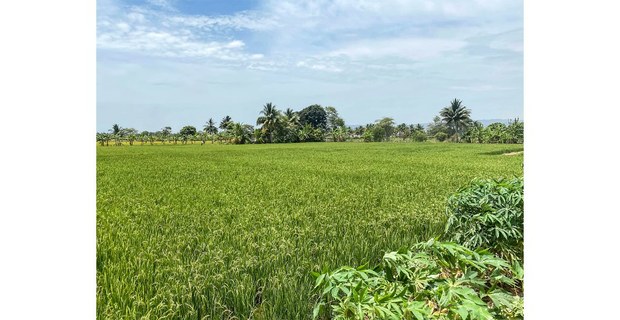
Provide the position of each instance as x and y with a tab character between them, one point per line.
234	231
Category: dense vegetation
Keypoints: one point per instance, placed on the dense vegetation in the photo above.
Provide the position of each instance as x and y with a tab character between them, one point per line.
465	279
234	232
315	123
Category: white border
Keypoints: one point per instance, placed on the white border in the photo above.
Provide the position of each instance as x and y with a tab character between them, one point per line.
47	203
47	161
571	159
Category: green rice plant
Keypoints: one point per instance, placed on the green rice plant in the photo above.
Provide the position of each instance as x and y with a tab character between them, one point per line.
488	214
220	231
433	280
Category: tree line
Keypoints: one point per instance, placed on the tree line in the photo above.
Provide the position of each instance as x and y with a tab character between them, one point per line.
316	123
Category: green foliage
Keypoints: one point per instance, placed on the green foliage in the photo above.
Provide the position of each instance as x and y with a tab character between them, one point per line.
515	131
309	134
116	129
418	136
383	129
456	116
269	121
340	134
441	136
210	127
225	122
188	131
240	133
433	280
474	133
495	133
315	116
334	121
488	214
437	126
368	135
234	231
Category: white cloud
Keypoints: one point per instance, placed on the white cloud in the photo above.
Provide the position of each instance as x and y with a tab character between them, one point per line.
407	56
330	36
481	88
243	20
141	31
409	48
163	4
319	66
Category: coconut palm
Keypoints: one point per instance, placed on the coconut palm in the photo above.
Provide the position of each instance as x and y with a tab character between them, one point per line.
289	126
269	119
241	133
211	129
116	129
456	116
225	122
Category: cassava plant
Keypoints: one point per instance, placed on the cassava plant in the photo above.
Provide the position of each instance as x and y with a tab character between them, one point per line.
432	280
488	214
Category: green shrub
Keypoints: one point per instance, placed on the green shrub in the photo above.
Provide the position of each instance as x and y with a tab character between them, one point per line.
488	214
479	278
441	136
418	136
433	280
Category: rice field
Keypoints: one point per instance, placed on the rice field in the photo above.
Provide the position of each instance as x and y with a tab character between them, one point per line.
234	231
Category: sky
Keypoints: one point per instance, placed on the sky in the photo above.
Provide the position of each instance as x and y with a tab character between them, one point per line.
180	62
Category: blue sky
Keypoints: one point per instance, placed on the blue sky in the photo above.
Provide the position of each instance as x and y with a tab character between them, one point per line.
174	62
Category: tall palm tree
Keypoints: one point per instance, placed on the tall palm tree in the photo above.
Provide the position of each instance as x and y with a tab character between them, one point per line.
269	119
289	113
211	129
225	122
116	129
456	116
290	121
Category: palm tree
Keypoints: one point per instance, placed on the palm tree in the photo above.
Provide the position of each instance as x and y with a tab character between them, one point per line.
241	133
456	116
211	129
269	119
225	122
290	121
116	129
289	113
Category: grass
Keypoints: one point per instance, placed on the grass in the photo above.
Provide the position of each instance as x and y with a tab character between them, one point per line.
233	232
